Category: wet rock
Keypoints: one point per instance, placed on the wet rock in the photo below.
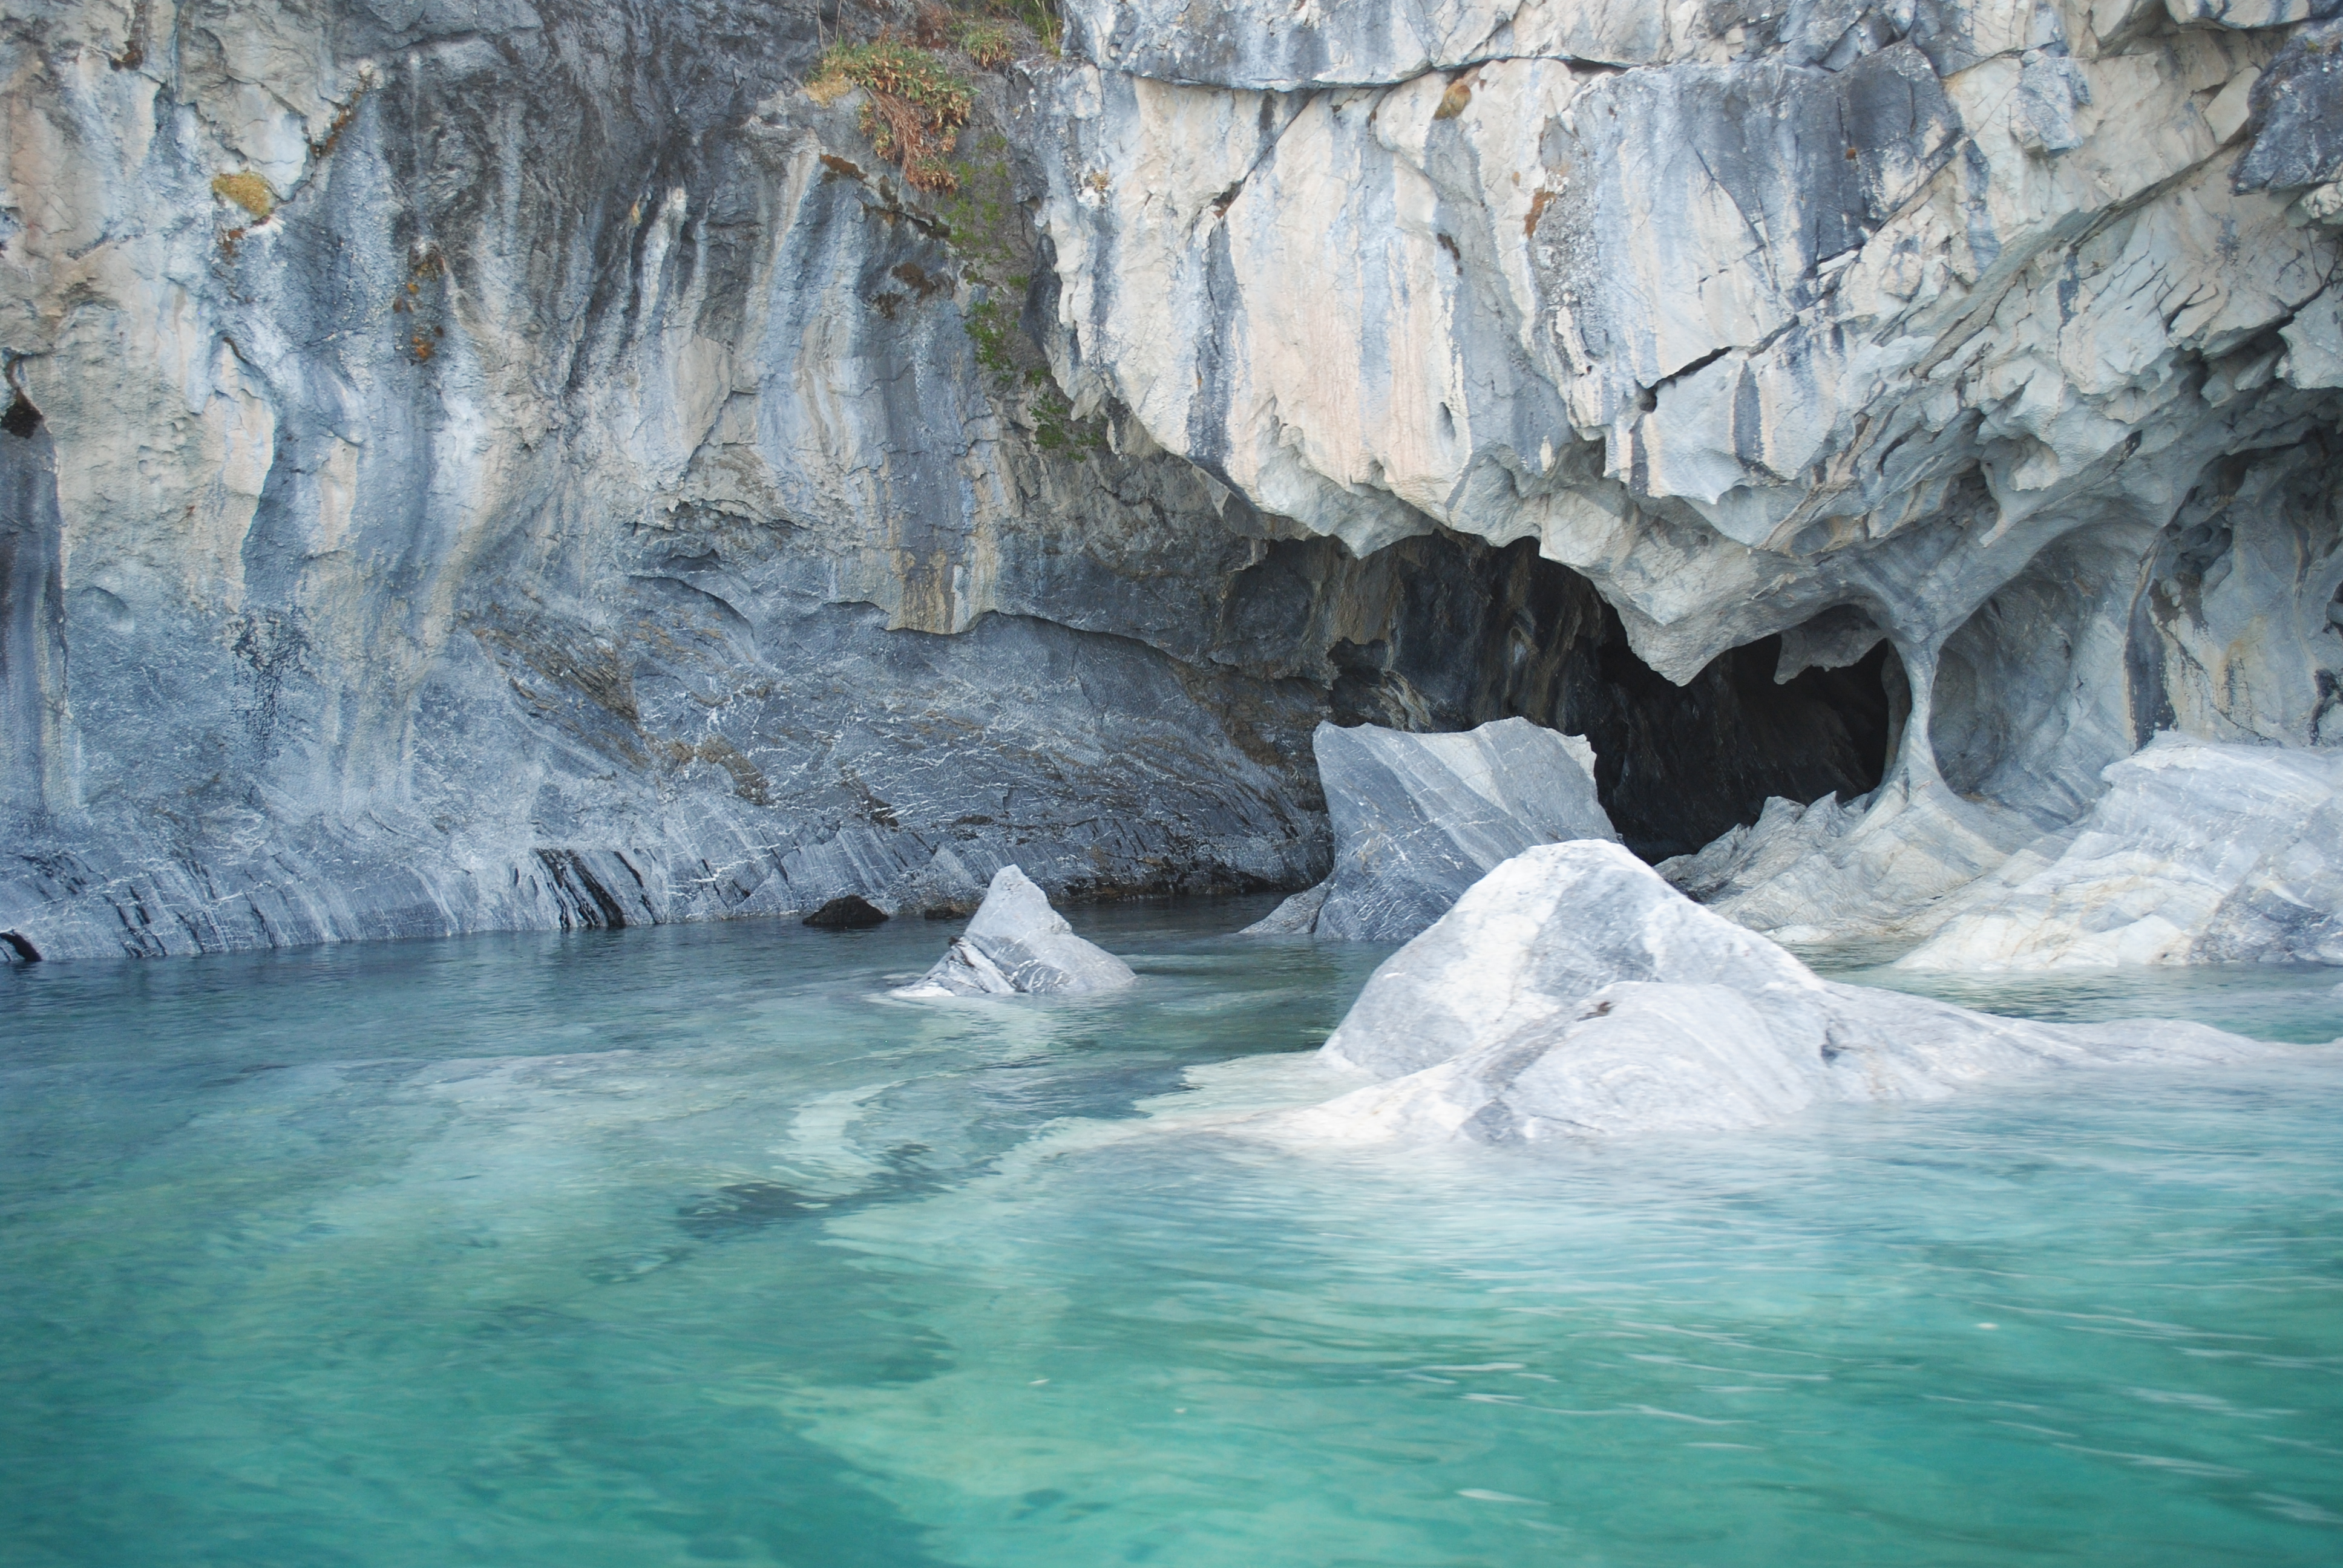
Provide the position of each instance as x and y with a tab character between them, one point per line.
1418	818
2196	853
1296	917
1878	869
1574	993
851	913
1017	942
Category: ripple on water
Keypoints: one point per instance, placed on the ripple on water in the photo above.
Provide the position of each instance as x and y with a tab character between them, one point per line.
687	1245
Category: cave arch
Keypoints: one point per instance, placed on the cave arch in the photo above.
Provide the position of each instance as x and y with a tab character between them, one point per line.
1444	632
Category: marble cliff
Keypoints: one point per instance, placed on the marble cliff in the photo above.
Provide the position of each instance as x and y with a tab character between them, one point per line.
537	463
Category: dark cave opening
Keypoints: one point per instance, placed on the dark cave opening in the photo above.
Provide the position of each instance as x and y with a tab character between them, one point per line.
1685	763
1446	633
22	418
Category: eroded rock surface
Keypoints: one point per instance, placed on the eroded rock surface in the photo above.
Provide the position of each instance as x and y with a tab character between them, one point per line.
1018	943
1418	818
2003	331
1574	993
537	465
2196	853
1883	867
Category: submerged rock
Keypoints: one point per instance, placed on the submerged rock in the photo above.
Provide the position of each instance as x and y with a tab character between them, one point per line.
1295	917
1418	818
2197	852
1017	942
1574	993
851	913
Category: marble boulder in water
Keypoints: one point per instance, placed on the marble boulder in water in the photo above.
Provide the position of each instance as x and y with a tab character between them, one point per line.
1017	942
1418	818
1573	992
2196	853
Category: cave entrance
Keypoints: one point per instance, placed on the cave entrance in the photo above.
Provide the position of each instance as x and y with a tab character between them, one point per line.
1676	765
1447	632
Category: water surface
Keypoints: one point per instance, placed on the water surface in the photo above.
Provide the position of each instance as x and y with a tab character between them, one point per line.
691	1245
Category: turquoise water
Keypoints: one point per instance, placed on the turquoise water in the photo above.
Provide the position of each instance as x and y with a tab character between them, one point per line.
690	1245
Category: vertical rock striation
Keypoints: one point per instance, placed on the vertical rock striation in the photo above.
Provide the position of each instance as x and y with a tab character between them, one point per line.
537	464
2000	331
1419	819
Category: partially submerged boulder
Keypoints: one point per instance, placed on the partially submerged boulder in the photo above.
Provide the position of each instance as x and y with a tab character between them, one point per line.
1017	942
2197	852
1573	992
1419	819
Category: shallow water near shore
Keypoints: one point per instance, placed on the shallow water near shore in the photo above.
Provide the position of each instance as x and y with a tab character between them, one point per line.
692	1245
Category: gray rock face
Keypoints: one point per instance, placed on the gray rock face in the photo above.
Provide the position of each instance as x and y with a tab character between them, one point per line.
1018	943
1360	42
2196	853
531	467
1573	993
1838	323
2297	109
1885	868
534	464
1418	818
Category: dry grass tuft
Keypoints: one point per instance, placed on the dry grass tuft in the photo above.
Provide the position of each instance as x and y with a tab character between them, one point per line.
247	190
916	105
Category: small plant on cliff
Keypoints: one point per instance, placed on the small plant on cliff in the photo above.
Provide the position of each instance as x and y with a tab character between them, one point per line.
1041	16
988	40
915	107
247	190
992	44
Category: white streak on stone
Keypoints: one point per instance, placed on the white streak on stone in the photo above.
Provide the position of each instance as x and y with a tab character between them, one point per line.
1018	943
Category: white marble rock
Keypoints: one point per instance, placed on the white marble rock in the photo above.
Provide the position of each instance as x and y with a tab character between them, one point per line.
1574	993
1909	365
1418	818
1018	943
2196	853
398	548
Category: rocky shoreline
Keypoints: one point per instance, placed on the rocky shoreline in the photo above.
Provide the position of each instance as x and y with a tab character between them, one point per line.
566	465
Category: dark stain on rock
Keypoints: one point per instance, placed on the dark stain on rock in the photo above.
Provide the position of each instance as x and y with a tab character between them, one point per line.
22	418
851	913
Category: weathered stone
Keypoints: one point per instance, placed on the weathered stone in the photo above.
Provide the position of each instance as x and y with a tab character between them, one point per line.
1879	870
2297	113
1362	41
1862	323
578	500
1573	993
533	463
1418	818
1018	943
2197	852
1293	916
